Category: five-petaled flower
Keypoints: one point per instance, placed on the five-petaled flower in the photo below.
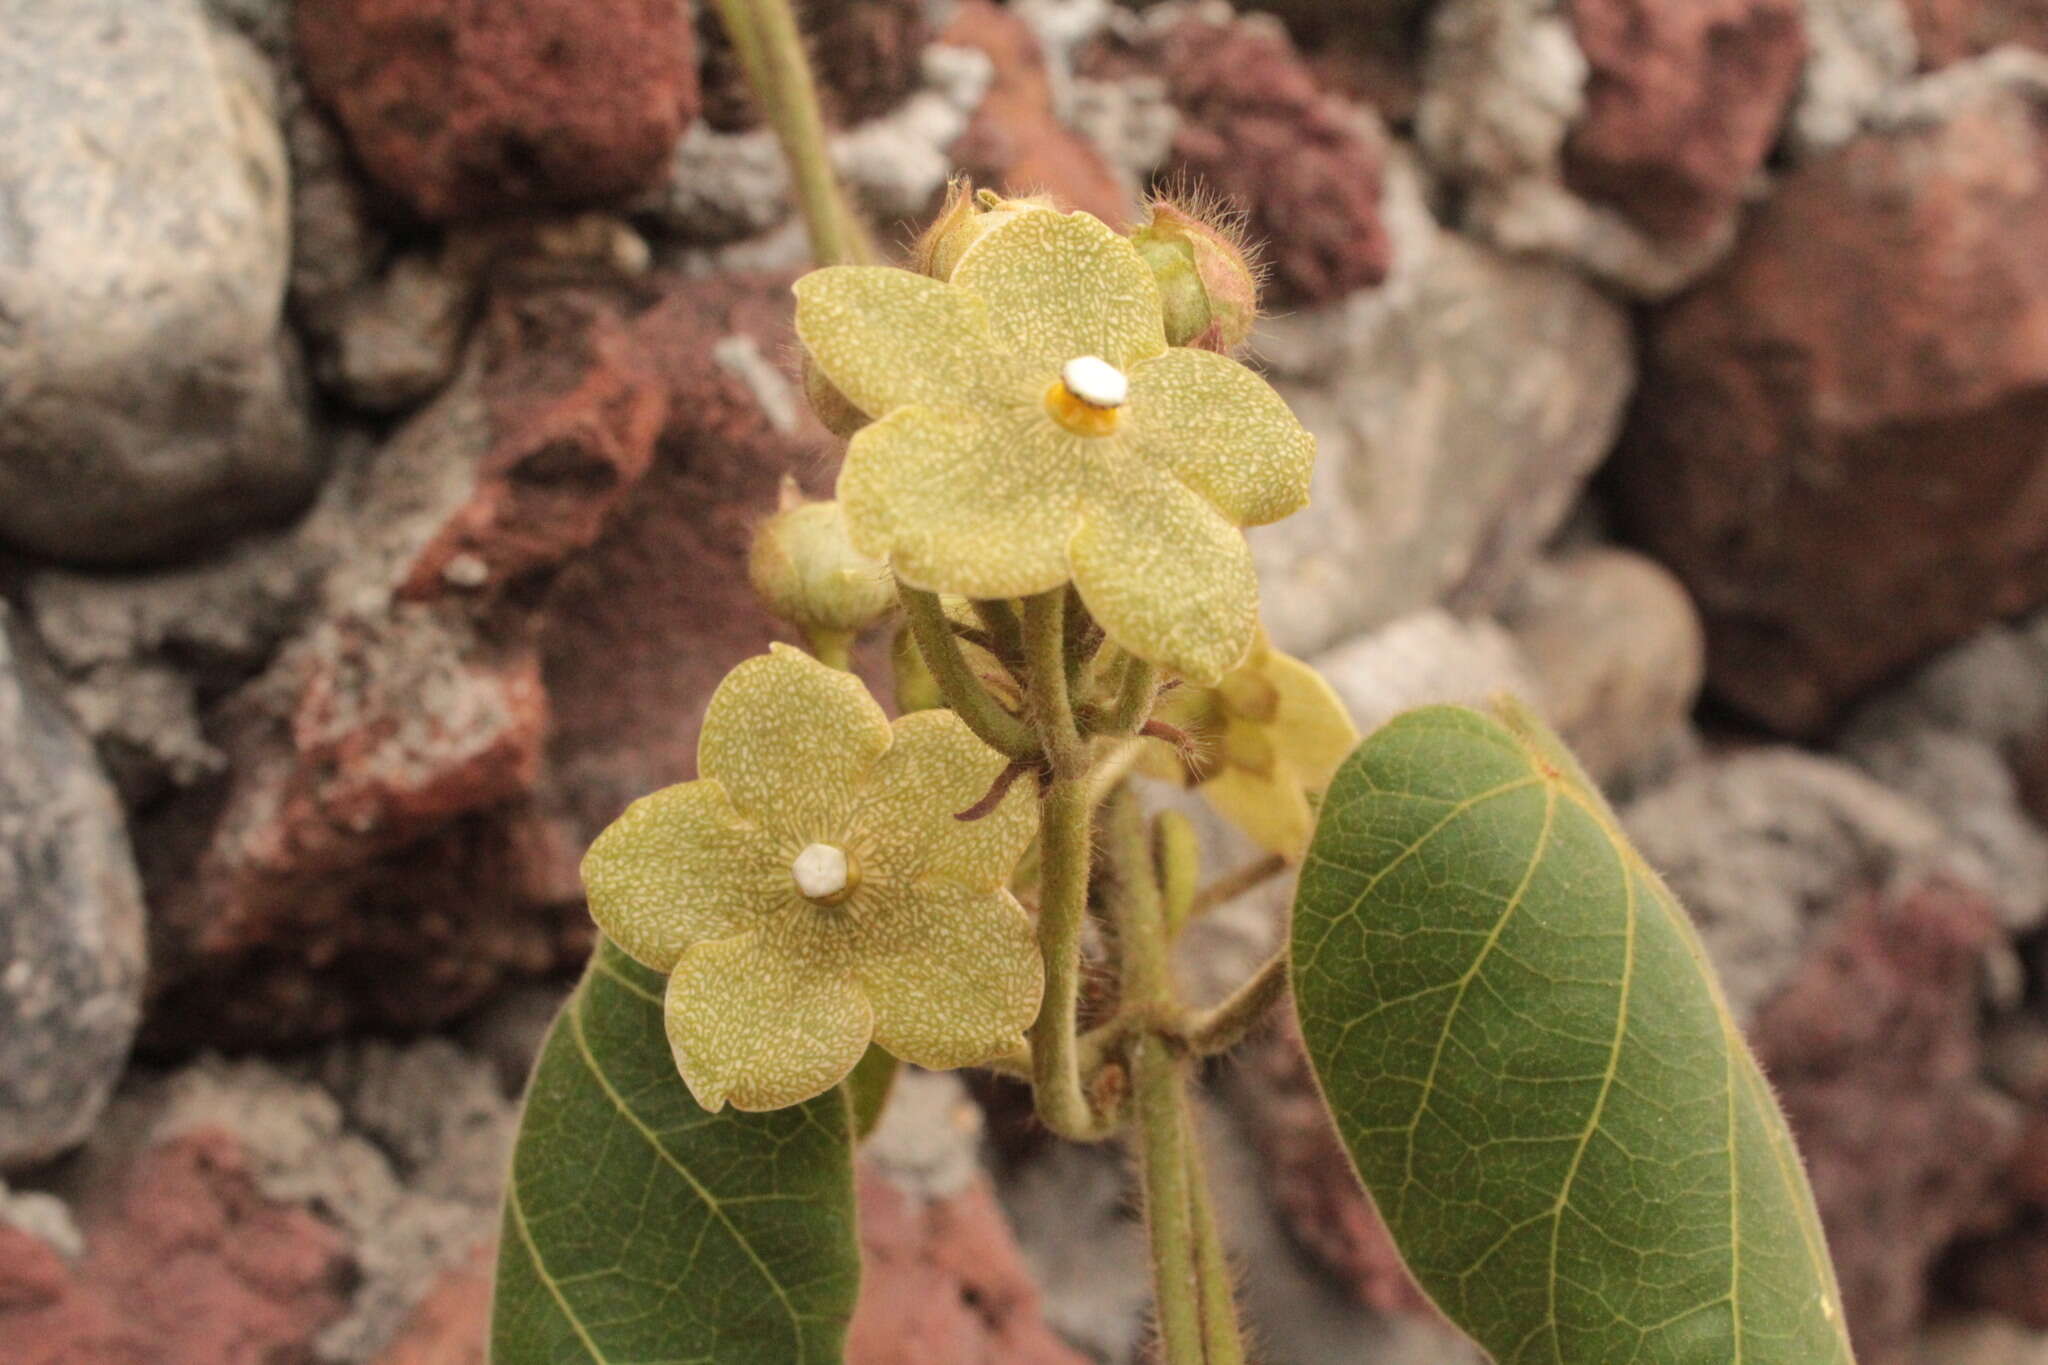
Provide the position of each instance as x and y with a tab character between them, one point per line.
811	891
1266	739
1033	427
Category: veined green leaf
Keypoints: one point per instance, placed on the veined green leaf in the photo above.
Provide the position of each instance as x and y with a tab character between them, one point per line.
639	1228
1528	1056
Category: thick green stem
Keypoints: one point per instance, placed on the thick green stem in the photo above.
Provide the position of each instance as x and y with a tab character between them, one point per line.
1063	829
997	728
1045	661
1163	1154
1135	694
1222	1340
771	50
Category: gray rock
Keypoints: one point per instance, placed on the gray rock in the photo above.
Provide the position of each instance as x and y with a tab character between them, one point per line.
1458	411
44	1217
1762	845
1425	658
71	918
928	1141
399	338
1617	649
1858	53
147	394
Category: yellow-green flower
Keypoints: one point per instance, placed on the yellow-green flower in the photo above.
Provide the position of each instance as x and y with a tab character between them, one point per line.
1267	738
1032	426
811	891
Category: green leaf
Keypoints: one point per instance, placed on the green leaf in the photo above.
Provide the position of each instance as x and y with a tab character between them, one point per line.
868	1087
1530	1061
640	1228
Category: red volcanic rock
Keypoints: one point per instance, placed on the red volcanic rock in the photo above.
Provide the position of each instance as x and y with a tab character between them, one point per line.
1259	132
186	1263
1015	142
1951	30
1309	1175
466	108
942	1284
1841	437
1874	1051
1683	101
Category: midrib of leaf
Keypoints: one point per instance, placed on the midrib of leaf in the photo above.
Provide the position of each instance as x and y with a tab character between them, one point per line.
710	1201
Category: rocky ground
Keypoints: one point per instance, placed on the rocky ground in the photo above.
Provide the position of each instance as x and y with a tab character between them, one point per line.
387	388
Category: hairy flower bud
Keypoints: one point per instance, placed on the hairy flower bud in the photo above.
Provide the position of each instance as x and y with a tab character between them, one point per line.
1208	288
967	217
807	571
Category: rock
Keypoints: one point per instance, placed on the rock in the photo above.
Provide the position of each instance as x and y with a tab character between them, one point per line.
1457	412
1505	83
864	57
1257	130
1616	649
451	1323
1873	1049
465	111
189	1261
71	917
1761	845
1791	456
1682	102
1860	51
1016	142
44	1217
1422	659
399	340
1952	30
1983	1339
151	402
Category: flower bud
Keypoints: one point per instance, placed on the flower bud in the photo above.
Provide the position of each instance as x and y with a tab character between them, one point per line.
808	573
1208	289
833	408
967	217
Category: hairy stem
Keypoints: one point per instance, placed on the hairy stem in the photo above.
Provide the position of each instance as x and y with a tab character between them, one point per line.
1233	884
771	50
1224	1027
1222	1340
1062	905
1163	1159
1135	694
1050	704
997	728
1005	634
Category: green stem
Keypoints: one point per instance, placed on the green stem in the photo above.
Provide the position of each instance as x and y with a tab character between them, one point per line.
1063	830
1224	1027
831	647
1222	1341
999	618
1135	694
1163	1159
1233	884
770	48
963	692
1045	660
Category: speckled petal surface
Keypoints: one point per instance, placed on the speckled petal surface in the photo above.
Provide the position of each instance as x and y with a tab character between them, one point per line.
1169	579
1273	811
887	337
936	768
1224	432
962	502
1060	285
681	866
953	974
765	1019
1312	733
791	740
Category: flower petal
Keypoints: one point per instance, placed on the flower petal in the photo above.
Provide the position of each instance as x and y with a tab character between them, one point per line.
886	337
679	867
1224	432
1061	285
957	502
1272	810
935	769
1169	579
791	740
765	1019
953	974
1311	731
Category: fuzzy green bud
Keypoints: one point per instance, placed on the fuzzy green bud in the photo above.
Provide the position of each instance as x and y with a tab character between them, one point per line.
1208	290
805	569
967	217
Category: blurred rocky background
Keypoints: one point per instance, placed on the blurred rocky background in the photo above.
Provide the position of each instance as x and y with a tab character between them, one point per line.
388	387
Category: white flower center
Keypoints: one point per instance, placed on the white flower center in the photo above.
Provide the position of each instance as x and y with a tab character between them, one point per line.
1095	381
821	871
